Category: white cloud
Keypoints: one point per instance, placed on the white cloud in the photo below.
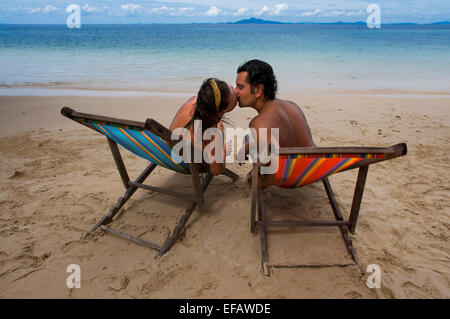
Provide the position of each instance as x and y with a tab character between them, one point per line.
46	9
335	13
310	13
240	12
32	10
162	9
262	11
182	11
279	8
213	11
90	9
172	11
342	13
130	7
354	13
49	8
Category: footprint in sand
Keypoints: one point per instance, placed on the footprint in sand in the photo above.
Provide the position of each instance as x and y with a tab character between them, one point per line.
17	174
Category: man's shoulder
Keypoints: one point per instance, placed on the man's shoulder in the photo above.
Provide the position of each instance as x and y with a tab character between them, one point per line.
261	121
254	121
286	102
277	104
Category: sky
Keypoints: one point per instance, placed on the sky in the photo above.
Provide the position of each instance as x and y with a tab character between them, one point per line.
214	11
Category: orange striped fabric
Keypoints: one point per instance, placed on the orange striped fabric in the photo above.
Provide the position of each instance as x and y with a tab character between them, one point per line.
300	170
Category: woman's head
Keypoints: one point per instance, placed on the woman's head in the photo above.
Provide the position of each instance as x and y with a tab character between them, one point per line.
214	99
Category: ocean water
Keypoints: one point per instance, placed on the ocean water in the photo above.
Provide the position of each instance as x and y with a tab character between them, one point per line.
174	59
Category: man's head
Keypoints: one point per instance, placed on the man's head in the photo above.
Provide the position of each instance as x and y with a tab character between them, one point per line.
255	80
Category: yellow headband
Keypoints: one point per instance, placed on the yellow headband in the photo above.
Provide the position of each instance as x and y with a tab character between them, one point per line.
216	93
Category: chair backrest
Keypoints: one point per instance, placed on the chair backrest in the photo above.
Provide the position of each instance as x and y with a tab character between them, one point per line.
301	166
149	140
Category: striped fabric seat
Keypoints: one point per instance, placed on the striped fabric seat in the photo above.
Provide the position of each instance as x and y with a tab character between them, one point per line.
300	170
300	166
141	142
152	141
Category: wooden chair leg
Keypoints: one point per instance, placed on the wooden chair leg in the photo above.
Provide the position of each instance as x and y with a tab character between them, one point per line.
183	220
176	232
332	199
254	198
230	174
357	198
344	229
119	162
262	236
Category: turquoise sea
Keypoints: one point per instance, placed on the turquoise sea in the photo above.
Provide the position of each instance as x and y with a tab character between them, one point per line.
174	59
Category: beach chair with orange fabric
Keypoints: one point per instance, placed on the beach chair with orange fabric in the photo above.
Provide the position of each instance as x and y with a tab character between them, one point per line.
301	166
151	141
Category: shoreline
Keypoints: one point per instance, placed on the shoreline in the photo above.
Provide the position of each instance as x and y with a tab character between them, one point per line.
114	92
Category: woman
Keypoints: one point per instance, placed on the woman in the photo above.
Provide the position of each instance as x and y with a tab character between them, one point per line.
214	99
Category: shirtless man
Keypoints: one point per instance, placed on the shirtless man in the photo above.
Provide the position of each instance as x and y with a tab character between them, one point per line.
256	87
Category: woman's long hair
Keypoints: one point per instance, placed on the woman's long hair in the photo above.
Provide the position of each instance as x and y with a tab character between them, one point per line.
205	108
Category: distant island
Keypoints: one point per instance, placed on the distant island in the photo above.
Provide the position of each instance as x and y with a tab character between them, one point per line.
261	21
253	20
256	21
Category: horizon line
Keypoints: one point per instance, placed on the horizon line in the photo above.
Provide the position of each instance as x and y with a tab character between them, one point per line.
276	22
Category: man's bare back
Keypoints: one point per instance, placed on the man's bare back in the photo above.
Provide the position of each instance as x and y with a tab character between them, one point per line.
289	119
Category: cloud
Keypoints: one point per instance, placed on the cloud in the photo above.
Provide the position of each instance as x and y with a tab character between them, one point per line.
182	11
310	13
335	13
130	7
279	8
49	8
262	11
355	13
162	10
213	11
32	10
128	10
91	9
172	11
240	12
342	13
29	10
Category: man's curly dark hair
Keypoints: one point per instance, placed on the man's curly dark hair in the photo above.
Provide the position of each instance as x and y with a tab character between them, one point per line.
260	72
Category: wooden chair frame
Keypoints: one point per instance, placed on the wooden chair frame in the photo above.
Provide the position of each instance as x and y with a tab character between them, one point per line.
195	199
345	226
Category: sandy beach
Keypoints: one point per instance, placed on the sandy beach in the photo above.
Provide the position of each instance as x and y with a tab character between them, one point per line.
58	179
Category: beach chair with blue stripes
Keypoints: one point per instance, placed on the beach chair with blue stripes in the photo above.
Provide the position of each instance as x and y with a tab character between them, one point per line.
151	141
301	166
